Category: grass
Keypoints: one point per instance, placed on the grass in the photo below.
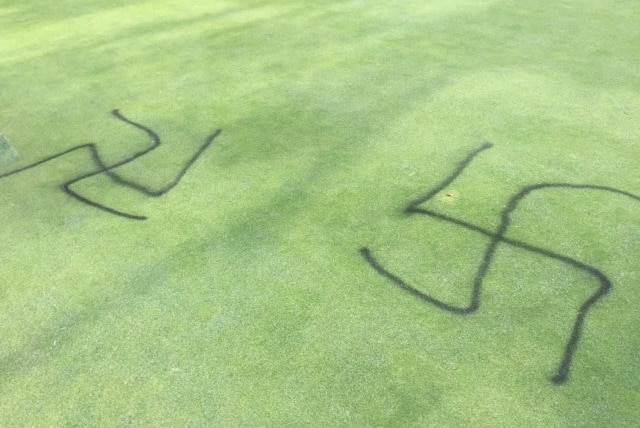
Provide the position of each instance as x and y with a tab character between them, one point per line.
7	153
243	299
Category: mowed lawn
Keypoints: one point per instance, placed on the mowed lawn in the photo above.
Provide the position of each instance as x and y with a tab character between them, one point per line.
245	297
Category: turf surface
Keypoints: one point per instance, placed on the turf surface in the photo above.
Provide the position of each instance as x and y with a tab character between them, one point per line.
244	298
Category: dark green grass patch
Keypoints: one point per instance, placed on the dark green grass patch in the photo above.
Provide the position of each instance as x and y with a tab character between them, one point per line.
244	298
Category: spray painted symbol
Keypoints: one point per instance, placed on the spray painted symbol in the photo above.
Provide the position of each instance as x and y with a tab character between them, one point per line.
497	238
109	169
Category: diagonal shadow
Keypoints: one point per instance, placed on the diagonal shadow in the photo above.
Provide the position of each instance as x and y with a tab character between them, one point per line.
498	237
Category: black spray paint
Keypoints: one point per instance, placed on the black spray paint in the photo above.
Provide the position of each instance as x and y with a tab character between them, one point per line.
108	169
496	238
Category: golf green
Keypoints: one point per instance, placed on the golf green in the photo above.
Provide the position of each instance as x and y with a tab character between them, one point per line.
340	213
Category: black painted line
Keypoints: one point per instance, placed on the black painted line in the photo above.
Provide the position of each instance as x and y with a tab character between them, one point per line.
495	239
462	165
108	170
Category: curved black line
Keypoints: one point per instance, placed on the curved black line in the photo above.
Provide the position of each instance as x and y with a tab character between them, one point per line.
108	169
47	159
497	238
462	165
605	283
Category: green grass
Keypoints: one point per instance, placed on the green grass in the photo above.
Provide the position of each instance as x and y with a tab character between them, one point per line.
7	153
243	299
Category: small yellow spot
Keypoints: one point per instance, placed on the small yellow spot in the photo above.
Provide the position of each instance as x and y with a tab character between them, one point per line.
448	196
